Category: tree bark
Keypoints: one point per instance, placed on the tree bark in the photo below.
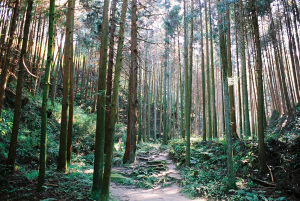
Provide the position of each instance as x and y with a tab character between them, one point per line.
260	94
130	150
43	144
6	64
18	102
114	107
101	102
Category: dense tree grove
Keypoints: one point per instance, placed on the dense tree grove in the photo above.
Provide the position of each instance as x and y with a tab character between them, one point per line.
195	71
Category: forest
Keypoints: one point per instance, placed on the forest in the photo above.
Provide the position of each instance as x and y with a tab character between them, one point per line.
141	100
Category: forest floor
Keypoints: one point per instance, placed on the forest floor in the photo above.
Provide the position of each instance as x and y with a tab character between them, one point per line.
155	164
159	172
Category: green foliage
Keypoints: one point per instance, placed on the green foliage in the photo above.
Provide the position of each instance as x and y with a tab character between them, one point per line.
172	21
120	179
207	176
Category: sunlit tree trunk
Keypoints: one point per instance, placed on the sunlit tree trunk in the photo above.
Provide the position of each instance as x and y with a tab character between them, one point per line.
6	64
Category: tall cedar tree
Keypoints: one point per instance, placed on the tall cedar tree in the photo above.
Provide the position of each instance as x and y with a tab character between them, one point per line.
223	52
244	74
18	102
203	79
129	156
208	86
214	113
114	107
260	94
62	156
230	74
100	126
5	64
186	82
110	67
71	94
190	70
43	144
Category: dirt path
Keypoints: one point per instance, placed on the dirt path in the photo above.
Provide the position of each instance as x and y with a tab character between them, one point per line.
158	193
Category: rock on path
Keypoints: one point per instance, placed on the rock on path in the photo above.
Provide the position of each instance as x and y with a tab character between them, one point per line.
169	193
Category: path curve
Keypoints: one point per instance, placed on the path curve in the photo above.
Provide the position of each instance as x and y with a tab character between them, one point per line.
169	193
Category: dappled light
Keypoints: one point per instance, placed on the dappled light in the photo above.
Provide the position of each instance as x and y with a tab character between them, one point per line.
150	100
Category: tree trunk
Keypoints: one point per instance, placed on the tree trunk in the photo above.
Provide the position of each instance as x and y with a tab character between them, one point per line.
6	64
71	96
101	102
231	89
18	102
130	150
203	81
114	107
43	144
208	86
214	113
110	67
260	94
231	180
244	74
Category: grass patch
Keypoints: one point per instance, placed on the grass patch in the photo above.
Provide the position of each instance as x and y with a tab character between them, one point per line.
120	179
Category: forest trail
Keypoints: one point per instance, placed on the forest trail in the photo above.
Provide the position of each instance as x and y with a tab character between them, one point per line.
165	189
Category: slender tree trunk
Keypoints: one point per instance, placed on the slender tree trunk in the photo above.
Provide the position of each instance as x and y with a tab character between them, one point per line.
231	89
71	97
149	101
6	64
130	150
140	105
231	180
189	91
208	86
165	101
214	113
238	74
244	74
260	93
43	145
203	81
110	67
18	102
155	94
114	107
182	126
62	157
186	81
101	102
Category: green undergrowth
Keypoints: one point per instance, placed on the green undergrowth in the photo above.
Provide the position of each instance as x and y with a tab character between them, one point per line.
120	179
74	185
29	133
207	175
